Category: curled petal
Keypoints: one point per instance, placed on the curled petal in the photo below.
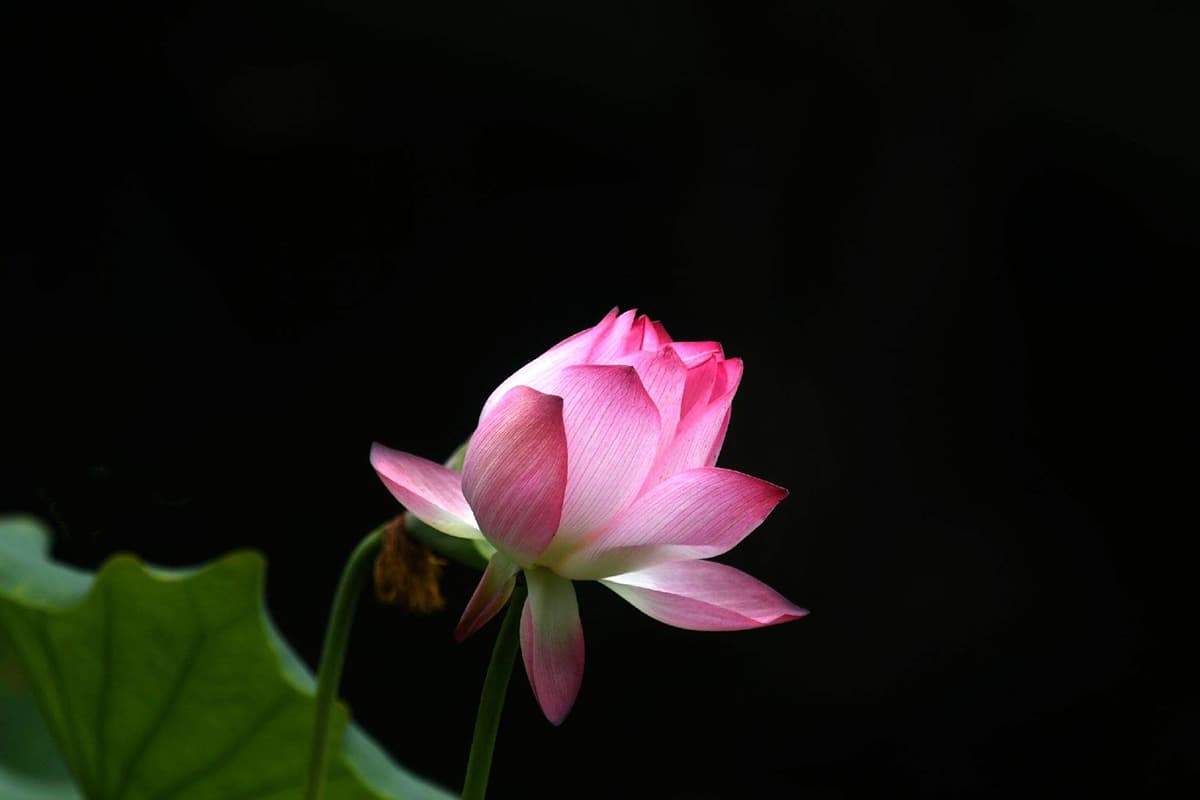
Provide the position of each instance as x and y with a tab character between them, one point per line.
552	643
698	387
704	596
699	513
663	376
694	353
726	386
637	334
612	433
618	340
515	473
698	440
728	378
655	336
493	591
430	491
536	374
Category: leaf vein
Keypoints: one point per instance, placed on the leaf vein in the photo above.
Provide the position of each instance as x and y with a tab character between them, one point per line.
256	727
164	712
106	615
81	768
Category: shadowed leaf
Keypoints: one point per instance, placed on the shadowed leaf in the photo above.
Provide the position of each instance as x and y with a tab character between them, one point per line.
167	684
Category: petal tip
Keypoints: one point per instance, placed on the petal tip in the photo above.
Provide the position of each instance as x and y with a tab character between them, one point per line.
772	492
789	613
462	631
556	709
795	613
465	626
377	451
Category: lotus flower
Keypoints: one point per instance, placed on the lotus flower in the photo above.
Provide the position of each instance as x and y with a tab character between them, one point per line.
595	462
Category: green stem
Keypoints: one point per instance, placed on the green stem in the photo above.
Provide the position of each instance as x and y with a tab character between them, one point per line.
491	701
333	655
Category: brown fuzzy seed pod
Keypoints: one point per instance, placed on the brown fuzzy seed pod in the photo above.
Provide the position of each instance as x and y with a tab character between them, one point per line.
407	572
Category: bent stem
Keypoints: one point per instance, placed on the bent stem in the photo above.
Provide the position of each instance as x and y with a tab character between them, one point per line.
491	701
333	655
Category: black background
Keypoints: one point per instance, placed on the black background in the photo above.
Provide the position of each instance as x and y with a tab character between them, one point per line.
247	241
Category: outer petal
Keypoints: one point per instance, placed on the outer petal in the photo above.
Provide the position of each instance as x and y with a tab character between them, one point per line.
701	433
612	429
536	374
430	491
704	596
695	514
493	591
516	472
552	643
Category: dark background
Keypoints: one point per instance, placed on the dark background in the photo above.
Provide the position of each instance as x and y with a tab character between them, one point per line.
944	236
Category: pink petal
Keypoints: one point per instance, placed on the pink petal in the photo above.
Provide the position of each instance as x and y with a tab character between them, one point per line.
612	429
698	440
617	340
552	643
637	334
695	514
493	591
695	352
704	596
728	378
430	491
698	388
663	376
718	440
724	389
516	472
655	336
572	350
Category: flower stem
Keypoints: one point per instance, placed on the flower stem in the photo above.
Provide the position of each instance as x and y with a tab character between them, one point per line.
333	655
491	701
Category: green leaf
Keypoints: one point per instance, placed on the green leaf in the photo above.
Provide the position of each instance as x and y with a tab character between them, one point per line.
30	766
170	684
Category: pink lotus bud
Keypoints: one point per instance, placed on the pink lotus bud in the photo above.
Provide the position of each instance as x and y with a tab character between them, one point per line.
595	461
